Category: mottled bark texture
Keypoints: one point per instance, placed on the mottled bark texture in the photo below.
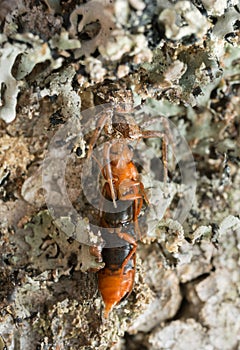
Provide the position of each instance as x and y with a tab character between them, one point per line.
173	66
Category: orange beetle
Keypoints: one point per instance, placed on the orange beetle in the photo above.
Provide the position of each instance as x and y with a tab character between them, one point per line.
124	193
116	279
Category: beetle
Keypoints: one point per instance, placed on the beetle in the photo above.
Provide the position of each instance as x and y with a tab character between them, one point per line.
116	278
125	193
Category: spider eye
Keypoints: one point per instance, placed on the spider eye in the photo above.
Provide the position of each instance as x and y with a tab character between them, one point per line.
78	151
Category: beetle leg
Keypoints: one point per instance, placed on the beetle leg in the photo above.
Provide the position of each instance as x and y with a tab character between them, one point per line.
135	195
142	189
125	187
137	199
137	206
137	231
130	197
131	253
131	240
137	203
128	238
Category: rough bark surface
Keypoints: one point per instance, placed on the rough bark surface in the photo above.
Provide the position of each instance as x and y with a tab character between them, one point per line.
172	65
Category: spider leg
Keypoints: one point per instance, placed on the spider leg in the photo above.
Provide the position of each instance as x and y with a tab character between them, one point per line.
165	122
103	117
106	152
104	190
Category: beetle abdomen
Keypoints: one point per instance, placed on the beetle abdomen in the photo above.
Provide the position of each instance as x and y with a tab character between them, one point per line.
115	281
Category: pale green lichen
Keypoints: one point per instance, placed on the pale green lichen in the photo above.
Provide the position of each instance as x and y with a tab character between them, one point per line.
92	12
182	20
216	7
63	42
39	52
50	247
60	84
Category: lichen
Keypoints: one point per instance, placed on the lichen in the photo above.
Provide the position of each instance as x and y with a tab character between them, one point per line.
39	52
9	85
92	13
182	20
189	333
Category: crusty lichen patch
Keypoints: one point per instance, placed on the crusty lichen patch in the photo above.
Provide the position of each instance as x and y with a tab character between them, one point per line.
54	281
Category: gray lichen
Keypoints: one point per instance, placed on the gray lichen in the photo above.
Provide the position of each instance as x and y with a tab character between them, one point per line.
9	85
96	23
182	20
